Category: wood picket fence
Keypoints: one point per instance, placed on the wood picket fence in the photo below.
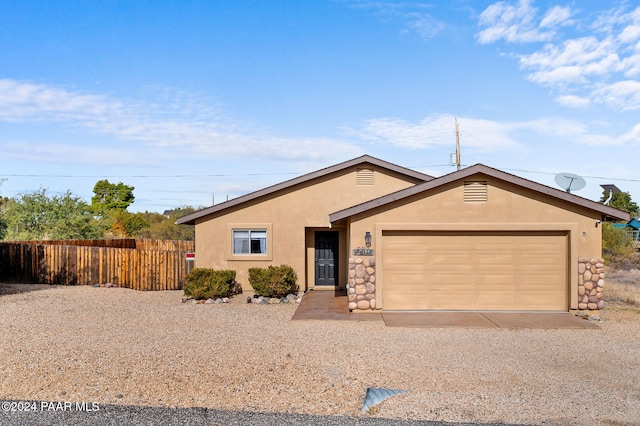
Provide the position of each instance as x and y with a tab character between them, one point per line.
137	264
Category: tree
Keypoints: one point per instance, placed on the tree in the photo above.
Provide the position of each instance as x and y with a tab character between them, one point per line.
38	216
617	243
163	227
121	223
621	201
3	222
111	196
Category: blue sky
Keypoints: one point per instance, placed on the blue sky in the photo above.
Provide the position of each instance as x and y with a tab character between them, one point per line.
193	99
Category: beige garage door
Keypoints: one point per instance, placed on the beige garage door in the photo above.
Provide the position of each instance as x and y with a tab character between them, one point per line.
475	271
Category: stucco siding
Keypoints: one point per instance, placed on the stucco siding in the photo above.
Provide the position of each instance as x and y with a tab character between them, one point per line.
507	207
291	215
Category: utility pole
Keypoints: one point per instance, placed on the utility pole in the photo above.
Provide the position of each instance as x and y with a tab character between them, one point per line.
457	145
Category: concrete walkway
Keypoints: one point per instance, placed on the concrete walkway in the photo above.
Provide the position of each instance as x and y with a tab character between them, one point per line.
330	305
333	305
538	320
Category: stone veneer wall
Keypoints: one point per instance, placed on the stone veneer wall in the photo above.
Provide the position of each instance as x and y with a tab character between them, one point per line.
590	283
362	283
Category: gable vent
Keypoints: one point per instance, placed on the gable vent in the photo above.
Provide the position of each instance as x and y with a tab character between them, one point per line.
364	177
475	191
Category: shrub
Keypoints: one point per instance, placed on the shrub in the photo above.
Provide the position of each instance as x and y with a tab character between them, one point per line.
205	283
617	244
274	281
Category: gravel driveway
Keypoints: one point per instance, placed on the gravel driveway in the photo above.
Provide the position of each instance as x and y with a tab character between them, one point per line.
115	346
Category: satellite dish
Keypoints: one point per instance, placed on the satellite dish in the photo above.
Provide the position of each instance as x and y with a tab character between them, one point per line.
570	182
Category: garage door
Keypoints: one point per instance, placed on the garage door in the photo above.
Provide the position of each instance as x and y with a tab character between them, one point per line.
475	271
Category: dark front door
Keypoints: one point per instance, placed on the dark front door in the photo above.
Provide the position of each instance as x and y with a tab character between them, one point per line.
327	258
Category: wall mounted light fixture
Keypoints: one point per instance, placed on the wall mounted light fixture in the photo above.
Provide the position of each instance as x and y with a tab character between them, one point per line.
367	239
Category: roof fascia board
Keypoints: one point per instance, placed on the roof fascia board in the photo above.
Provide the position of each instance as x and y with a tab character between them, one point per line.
489	171
190	219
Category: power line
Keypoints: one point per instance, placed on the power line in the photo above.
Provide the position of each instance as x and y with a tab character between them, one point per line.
149	176
182	176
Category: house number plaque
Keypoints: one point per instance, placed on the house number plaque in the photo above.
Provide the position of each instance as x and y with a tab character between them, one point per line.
361	251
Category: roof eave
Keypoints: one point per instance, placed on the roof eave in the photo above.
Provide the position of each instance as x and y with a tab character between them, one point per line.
191	218
606	211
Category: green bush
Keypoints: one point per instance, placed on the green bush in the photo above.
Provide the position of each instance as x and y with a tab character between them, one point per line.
617	244
273	281
205	283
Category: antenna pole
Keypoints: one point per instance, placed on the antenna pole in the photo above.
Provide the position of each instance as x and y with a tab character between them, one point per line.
457	145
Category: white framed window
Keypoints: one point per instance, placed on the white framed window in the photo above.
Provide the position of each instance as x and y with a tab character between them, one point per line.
249	241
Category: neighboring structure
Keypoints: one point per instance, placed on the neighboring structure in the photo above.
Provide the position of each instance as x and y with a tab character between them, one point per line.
396	239
633	228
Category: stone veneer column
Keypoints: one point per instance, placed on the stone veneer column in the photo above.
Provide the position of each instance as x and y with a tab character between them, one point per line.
362	283
590	283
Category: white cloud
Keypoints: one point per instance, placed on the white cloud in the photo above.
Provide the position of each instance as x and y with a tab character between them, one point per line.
557	15
414	15
622	95
630	34
573	101
598	68
633	135
426	26
517	23
482	135
186	127
572	62
20	101
435	130
66	154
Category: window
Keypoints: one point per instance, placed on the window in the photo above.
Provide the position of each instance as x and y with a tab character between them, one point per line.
250	241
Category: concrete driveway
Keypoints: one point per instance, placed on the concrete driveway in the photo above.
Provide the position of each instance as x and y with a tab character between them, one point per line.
329	305
539	320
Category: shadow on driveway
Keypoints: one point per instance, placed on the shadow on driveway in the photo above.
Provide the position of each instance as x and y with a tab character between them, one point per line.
133	415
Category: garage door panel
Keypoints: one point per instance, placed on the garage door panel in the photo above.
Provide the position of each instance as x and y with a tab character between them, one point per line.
475	271
450	281
452	259
489	259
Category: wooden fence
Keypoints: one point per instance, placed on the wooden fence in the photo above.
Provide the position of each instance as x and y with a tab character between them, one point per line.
136	264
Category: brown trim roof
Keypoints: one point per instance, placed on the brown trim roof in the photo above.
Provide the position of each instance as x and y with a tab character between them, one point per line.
190	219
606	211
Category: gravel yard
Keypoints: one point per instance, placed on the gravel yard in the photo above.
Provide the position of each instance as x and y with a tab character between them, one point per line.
124	347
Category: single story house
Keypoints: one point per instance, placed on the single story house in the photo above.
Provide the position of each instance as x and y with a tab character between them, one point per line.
396	239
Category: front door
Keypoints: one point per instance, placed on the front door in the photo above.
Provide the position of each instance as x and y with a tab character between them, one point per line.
326	258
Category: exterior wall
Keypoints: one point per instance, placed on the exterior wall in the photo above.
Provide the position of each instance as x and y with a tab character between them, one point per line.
290	216
508	208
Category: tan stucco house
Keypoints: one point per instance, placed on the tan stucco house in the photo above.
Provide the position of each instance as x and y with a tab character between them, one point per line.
397	239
